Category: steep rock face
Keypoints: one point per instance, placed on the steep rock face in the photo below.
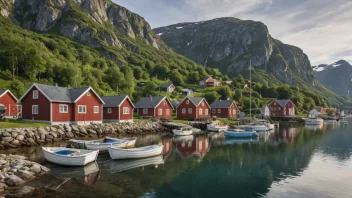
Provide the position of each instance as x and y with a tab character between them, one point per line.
337	77
229	44
95	22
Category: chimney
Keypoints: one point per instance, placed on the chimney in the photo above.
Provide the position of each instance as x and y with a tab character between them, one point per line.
150	97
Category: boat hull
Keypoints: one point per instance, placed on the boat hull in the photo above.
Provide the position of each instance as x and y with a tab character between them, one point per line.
217	128
178	132
314	121
233	134
103	147
149	151
79	160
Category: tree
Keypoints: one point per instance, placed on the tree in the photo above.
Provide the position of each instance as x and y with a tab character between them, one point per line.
211	96
161	70
224	92
193	77
114	77
138	72
176	77
129	82
17	88
150	89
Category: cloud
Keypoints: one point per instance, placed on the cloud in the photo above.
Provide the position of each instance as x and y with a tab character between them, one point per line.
319	27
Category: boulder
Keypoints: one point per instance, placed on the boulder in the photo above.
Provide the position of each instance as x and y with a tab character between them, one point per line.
32	142
35	168
54	134
67	128
14	180
49	136
61	132
42	136
83	130
24	174
2	187
91	131
20	137
53	129
41	130
7	139
15	142
70	134
14	134
2	161
23	191
47	128
6	134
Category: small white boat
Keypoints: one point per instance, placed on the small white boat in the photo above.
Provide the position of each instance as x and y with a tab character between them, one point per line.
217	127
257	128
239	133
142	152
69	156
314	121
195	130
344	121
103	145
183	131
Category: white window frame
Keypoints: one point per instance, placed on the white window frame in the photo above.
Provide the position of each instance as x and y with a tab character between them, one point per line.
96	108
109	110
167	111
88	93
126	111
189	110
33	112
214	111
206	112
187	102
83	107
62	108
145	111
203	104
200	111
219	110
160	112
184	111
234	112
35	94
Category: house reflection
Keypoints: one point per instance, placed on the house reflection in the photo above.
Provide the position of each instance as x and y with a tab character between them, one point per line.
197	147
284	136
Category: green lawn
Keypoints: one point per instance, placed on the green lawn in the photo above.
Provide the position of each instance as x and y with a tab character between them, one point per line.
9	123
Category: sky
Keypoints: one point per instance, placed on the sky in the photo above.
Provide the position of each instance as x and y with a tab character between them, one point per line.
320	27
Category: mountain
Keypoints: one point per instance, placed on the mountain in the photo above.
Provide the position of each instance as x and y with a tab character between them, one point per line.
337	77
83	43
230	44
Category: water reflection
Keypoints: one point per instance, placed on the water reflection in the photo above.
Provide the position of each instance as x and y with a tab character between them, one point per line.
215	166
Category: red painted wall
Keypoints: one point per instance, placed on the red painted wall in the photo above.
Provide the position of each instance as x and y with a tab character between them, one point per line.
129	105
164	105
114	115
10	103
43	106
90	102
149	114
62	117
200	106
277	111
184	105
225	112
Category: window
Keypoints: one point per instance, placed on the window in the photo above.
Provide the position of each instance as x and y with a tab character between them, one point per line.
109	110
145	111
82	109
274	108
35	94
234	112
203	104
183	111
274	103
279	108
189	110
187	102
88	93
63	108
219	110
206	112
160	111
126	110
35	109
167	111
164	102
214	111
200	111
96	109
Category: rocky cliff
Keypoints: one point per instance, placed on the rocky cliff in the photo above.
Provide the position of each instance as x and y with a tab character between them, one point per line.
337	77
94	22
229	44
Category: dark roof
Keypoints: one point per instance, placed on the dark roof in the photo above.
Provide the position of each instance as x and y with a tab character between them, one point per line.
282	102
222	104
165	86
113	101
195	100
2	91
149	102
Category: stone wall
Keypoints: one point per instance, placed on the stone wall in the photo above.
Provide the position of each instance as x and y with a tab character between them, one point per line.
19	137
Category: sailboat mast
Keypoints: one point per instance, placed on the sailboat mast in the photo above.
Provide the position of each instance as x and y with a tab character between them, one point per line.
250	88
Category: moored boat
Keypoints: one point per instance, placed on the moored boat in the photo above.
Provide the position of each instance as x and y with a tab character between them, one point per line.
183	131
103	144
69	156
142	152
314	121
239	133
217	127
257	128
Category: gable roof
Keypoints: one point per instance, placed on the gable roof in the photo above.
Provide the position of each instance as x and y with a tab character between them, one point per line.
61	94
4	91
165	86
115	101
223	104
195	100
151	102
206	78
283	103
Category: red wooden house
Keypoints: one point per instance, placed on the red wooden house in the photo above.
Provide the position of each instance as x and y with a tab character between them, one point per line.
224	109
210	82
59	105
117	109
193	108
282	108
9	103
154	106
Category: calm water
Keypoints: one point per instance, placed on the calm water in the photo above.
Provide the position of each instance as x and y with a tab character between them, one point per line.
293	161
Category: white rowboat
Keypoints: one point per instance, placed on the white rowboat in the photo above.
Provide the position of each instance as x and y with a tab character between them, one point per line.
69	156
142	152
103	146
183	131
217	127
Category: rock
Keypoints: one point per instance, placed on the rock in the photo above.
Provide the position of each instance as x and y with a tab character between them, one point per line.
42	136
54	134
17	157
23	191
47	128
7	139
35	168
3	156
83	130
7	145
61	132
41	130
6	134
15	142
32	142
14	134
91	131
24	174
13	180
20	137
67	128
3	162
49	136
74	128
3	187
53	129
70	135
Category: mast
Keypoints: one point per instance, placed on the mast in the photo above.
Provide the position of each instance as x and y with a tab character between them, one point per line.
250	88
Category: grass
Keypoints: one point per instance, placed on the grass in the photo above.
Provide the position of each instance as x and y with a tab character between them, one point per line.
9	123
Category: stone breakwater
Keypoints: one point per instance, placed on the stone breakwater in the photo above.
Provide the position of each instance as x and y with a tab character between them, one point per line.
19	137
15	170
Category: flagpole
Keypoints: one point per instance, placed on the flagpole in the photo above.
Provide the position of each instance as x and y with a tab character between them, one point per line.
250	88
